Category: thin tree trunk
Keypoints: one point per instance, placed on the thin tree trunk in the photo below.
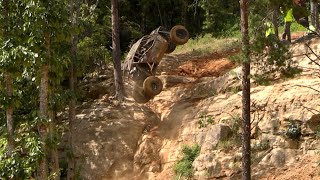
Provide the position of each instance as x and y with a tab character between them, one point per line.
72	81
116	50
54	164
53	150
9	112
275	16
8	86
184	13
246	174
72	112
314	14
42	128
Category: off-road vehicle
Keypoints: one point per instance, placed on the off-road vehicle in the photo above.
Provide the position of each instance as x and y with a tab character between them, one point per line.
144	57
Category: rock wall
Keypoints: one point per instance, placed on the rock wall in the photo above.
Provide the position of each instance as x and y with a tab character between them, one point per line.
135	141
107	138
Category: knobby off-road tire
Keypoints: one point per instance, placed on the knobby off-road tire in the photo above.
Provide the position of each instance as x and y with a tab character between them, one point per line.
152	86
179	35
139	95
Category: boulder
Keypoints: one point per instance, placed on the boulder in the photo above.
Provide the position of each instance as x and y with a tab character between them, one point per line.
212	137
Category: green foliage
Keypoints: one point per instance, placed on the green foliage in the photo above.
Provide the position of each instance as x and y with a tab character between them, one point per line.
260	146
207	44
205	120
291	72
32	32
257	147
93	54
236	122
269	55
293	130
262	79
22	162
234	141
221	16
295	27
229	145
184	166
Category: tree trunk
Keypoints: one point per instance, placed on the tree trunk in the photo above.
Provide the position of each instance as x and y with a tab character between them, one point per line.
72	111
54	156
9	112
314	14
8	86
246	174
42	128
116	50
275	16
54	164
72	81
72	114
184	13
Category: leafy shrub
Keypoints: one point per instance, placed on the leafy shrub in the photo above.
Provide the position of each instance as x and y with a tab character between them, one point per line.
261	146
22	162
229	144
293	130
236	124
262	79
184	166
205	120
235	140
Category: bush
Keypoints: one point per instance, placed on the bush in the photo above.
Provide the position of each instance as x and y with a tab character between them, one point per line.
293	130
205	120
22	162
184	166
235	140
261	146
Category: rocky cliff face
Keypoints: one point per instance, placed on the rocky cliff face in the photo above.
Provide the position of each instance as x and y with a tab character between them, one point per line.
133	141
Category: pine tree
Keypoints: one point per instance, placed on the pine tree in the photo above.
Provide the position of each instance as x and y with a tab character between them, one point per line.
246	162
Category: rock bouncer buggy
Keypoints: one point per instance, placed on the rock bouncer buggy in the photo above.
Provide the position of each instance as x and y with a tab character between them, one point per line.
144	57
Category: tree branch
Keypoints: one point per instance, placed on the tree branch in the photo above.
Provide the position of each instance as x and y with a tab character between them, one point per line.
308	87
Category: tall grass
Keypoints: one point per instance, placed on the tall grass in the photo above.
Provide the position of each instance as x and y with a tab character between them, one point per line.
206	45
295	27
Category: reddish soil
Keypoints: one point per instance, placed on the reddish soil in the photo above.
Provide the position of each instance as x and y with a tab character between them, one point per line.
205	68
213	65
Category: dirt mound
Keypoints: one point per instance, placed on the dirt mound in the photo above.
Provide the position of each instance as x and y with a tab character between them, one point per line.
213	65
205	68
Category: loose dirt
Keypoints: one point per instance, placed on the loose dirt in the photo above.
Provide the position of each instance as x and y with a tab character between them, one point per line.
305	169
213	65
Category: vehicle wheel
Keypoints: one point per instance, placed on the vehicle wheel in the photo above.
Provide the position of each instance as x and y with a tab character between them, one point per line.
139	95
179	35
152	86
171	47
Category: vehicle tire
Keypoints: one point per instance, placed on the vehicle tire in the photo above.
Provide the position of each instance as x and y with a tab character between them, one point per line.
152	86
139	95
179	35
171	47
